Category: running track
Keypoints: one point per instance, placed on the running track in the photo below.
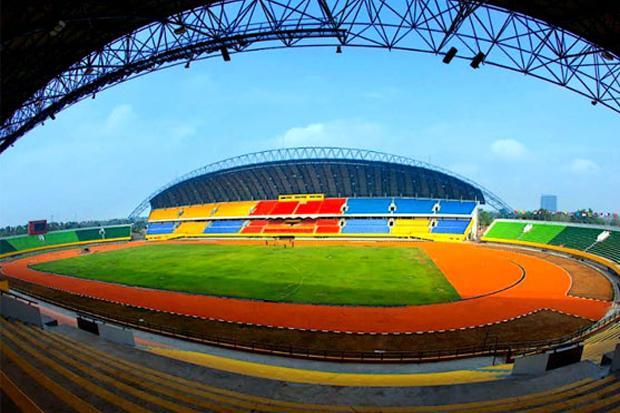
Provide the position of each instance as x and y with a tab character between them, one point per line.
496	285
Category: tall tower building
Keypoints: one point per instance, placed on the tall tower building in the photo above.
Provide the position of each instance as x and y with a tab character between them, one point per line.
549	203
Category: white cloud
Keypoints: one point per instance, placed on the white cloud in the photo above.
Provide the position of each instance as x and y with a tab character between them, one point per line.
509	149
584	166
119	115
335	133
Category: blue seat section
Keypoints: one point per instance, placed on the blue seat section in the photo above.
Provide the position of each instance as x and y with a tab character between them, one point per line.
450	226
157	228
224	227
366	226
368	206
457	207
414	206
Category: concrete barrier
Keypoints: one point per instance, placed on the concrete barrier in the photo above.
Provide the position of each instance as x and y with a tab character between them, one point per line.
116	334
530	365
16	309
540	363
615	363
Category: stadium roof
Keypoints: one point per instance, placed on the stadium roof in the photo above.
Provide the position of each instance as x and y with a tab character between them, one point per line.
335	172
55	53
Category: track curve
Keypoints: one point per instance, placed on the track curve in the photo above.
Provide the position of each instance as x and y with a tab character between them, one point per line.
487	278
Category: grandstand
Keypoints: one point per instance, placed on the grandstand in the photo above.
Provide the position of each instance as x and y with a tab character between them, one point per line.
596	240
54	369
20	244
418	218
318	195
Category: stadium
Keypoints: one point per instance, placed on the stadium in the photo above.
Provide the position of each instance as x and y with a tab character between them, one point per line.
308	278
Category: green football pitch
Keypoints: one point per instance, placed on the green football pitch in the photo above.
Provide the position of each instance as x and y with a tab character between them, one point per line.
340	275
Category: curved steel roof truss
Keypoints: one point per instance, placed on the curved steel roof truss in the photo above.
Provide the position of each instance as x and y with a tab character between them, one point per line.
496	36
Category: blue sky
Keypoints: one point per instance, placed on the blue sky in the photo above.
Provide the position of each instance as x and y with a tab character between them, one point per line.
520	137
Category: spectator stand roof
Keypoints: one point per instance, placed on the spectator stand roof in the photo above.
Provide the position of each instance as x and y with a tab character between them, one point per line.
336	172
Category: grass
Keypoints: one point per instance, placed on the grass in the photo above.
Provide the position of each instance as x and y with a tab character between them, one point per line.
341	275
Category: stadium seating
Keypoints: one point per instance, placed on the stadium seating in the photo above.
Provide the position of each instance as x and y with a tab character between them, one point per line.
232	226
284	208
309	208
6	247
198	211
610	248
328	206
456	207
505	230
542	233
410	227
414	206
368	206
291	208
450	226
284	227
332	206
38	241
233	209
327	226
579	238
25	243
366	226
255	226
263	208
160	228
189	228
59	372
164	213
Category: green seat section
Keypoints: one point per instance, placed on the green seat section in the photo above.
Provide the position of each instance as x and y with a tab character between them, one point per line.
118	232
506	230
38	241
94	234
542	233
29	242
610	248
89	234
576	237
5	247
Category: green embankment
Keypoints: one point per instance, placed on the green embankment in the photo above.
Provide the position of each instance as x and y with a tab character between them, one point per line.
506	230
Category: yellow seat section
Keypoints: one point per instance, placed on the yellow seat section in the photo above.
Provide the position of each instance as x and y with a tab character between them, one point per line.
234	209
198	211
191	228
410	226
164	213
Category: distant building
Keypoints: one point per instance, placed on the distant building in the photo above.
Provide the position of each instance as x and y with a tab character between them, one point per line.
549	203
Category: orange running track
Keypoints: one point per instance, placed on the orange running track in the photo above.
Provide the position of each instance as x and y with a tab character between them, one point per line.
495	285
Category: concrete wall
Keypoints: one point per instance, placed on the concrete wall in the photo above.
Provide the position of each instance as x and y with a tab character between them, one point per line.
615	363
116	334
19	310
536	364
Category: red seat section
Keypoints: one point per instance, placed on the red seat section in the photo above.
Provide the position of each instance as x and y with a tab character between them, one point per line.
284	227
332	206
327	226
284	208
264	208
254	227
309	208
